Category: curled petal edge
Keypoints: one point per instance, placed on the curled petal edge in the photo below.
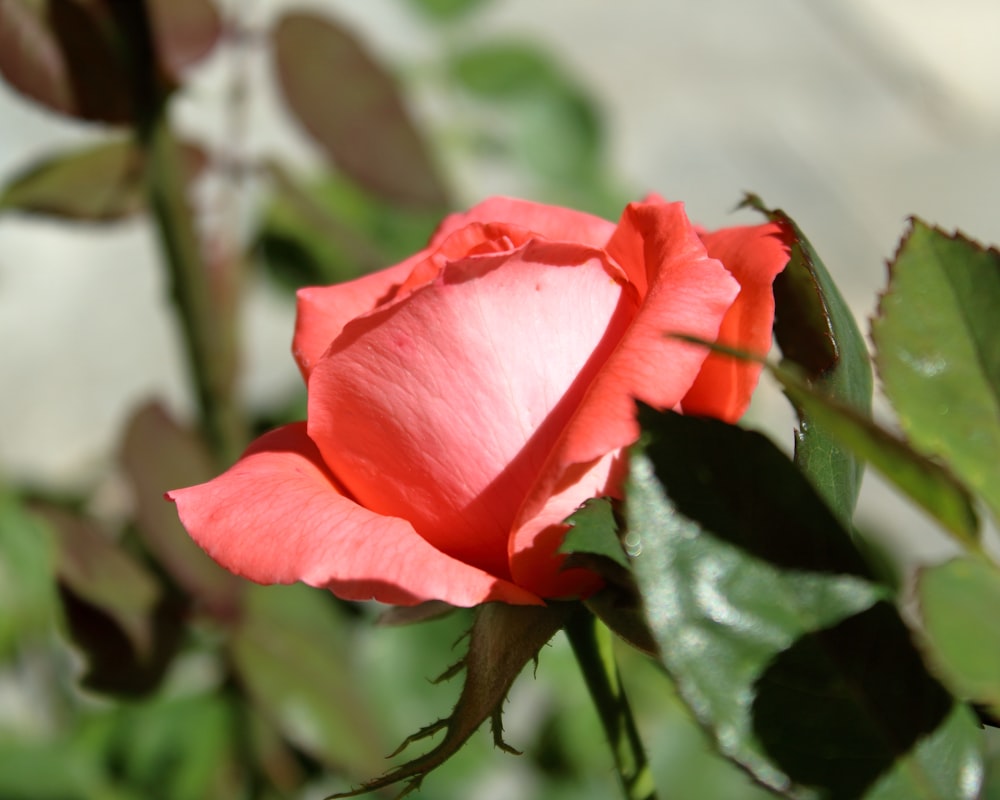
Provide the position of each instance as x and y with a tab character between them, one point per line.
279	516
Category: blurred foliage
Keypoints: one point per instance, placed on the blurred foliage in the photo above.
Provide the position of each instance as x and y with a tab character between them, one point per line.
131	666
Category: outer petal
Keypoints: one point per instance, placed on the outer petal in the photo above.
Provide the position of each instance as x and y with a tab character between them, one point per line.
279	516
443	408
550	222
754	255
684	291
322	311
535	562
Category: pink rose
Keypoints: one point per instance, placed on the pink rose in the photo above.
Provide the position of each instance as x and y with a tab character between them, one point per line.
463	403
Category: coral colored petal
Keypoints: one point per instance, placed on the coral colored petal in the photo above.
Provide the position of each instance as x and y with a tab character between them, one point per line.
687	292
534	562
754	255
443	407
684	291
323	311
551	222
279	516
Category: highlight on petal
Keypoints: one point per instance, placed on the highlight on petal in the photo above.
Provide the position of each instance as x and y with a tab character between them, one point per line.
323	311
754	255
550	222
278	516
443	408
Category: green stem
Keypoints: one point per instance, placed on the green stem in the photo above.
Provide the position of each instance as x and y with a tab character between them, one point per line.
592	645
206	319
206	308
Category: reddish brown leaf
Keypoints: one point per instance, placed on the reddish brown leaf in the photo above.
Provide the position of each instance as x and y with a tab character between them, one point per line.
96	570
185	31
352	107
61	53
159	455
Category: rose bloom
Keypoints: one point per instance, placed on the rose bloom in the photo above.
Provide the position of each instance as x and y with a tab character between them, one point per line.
462	404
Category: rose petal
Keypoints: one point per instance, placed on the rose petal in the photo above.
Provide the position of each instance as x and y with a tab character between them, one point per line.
323	311
754	255
442	408
534	560
279	516
684	291
551	222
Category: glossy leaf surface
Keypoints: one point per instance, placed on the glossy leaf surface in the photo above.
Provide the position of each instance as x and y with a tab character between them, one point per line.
777	638
816	331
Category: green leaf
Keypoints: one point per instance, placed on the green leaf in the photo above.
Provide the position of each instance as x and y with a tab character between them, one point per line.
768	622
446	10
594	529
352	107
50	770
175	747
100	183
289	650
938	352
961	631
27	565
816	331
158	455
503	639
553	126
64	56
502	70
925	482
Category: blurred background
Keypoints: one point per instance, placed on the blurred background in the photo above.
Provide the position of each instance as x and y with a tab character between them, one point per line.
850	115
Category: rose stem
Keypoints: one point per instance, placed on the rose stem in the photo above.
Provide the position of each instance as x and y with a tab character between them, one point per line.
206	316
593	647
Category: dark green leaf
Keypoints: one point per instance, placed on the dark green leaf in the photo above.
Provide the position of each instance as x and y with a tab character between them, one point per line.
27	566
503	639
961	629
816	331
290	650
776	637
939	353
158	455
100	183
64	56
353	108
